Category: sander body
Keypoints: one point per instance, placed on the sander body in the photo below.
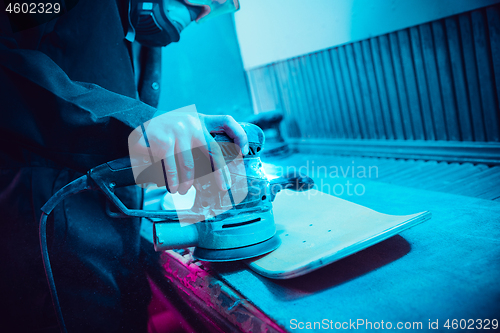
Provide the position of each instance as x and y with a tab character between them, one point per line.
237	224
222	225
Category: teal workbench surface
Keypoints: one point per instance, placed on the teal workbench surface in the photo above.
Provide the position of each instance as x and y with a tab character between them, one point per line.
445	268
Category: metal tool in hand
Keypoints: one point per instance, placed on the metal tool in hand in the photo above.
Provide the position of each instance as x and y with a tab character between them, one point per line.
228	229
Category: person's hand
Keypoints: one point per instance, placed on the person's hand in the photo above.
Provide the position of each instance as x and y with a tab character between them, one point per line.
173	135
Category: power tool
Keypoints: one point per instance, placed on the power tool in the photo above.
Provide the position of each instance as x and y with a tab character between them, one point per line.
225	226
245	230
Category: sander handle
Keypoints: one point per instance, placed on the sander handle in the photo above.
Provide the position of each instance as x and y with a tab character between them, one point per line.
119	173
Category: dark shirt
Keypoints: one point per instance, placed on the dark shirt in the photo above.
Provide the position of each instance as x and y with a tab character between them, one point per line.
68	103
67	87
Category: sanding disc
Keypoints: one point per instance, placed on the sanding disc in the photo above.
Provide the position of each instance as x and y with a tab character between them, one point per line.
239	253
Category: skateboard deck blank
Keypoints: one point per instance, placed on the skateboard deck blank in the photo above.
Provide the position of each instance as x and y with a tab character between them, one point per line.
317	229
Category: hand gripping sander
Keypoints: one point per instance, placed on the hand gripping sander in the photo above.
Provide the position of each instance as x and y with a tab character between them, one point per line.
221	225
237	224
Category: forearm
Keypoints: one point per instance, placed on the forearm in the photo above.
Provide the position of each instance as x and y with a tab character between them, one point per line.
44	110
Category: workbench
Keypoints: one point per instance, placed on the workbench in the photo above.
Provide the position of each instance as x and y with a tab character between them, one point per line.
445	268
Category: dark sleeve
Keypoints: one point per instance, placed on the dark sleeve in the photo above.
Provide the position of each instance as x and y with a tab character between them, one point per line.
76	124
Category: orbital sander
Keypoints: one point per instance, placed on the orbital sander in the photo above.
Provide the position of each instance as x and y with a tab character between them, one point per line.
222	225
237	224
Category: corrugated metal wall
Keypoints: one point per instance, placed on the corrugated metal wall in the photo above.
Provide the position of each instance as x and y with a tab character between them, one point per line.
435	81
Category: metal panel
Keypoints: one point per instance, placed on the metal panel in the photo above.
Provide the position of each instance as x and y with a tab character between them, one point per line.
423	92
457	68
373	91
389	79
286	98
431	71
411	85
366	105
316	128
329	124
472	82
348	124
381	88
493	15
484	70
353	112
400	86
435	81
445	80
